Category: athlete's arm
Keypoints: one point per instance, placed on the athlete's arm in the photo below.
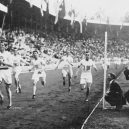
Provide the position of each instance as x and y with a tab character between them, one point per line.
78	69
8	62
32	67
93	64
80	64
70	62
23	61
43	63
58	63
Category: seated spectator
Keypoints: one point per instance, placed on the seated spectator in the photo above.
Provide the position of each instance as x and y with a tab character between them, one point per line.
115	94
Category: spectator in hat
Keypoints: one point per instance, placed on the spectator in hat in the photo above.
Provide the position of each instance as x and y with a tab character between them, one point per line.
126	73
114	96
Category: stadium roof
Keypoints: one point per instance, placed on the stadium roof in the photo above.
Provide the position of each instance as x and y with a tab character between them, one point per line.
96	11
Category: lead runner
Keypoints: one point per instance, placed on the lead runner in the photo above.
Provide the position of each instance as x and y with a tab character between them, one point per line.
86	74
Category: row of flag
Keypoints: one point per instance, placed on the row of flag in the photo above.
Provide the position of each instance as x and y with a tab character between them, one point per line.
63	8
60	9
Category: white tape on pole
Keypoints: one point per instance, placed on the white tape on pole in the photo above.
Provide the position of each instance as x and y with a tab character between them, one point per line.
105	69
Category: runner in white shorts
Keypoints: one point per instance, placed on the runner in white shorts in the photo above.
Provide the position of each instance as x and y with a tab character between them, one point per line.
38	66
5	73
66	65
86	74
108	63
17	59
117	62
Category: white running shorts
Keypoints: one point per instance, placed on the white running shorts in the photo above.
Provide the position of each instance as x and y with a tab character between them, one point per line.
86	77
6	76
37	74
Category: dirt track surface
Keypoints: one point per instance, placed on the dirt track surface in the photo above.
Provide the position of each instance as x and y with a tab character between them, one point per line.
54	107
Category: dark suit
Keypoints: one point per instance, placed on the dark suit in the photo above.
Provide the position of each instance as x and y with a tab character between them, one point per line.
115	95
126	73
127	96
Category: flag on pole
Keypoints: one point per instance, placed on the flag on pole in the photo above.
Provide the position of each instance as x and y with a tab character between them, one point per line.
80	22
41	8
60	10
71	13
46	13
85	23
46	6
108	24
121	26
72	17
31	3
98	16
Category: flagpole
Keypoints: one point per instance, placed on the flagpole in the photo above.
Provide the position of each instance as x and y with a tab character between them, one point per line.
3	22
105	70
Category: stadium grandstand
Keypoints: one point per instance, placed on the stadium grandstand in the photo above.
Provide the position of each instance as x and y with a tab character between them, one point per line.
40	17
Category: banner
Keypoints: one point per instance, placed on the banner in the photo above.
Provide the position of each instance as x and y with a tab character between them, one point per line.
60	10
3	8
41	8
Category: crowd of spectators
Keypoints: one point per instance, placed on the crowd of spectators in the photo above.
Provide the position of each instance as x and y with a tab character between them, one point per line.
54	44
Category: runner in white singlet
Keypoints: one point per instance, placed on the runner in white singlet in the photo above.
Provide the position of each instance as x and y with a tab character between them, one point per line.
17	59
86	65
38	66
66	66
5	73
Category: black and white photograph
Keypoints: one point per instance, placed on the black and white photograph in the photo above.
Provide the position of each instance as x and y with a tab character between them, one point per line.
64	64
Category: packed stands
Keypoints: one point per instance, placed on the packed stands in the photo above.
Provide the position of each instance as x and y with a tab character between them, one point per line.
27	31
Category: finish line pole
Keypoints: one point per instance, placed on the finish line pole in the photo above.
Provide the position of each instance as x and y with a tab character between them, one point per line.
105	69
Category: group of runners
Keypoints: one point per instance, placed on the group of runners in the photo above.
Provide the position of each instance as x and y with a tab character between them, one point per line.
11	64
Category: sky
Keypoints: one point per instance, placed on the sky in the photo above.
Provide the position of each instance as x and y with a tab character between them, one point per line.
114	9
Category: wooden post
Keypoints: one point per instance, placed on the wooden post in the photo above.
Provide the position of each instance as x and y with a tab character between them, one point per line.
105	70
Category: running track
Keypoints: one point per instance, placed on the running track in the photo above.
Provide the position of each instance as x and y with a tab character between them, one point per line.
54	107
